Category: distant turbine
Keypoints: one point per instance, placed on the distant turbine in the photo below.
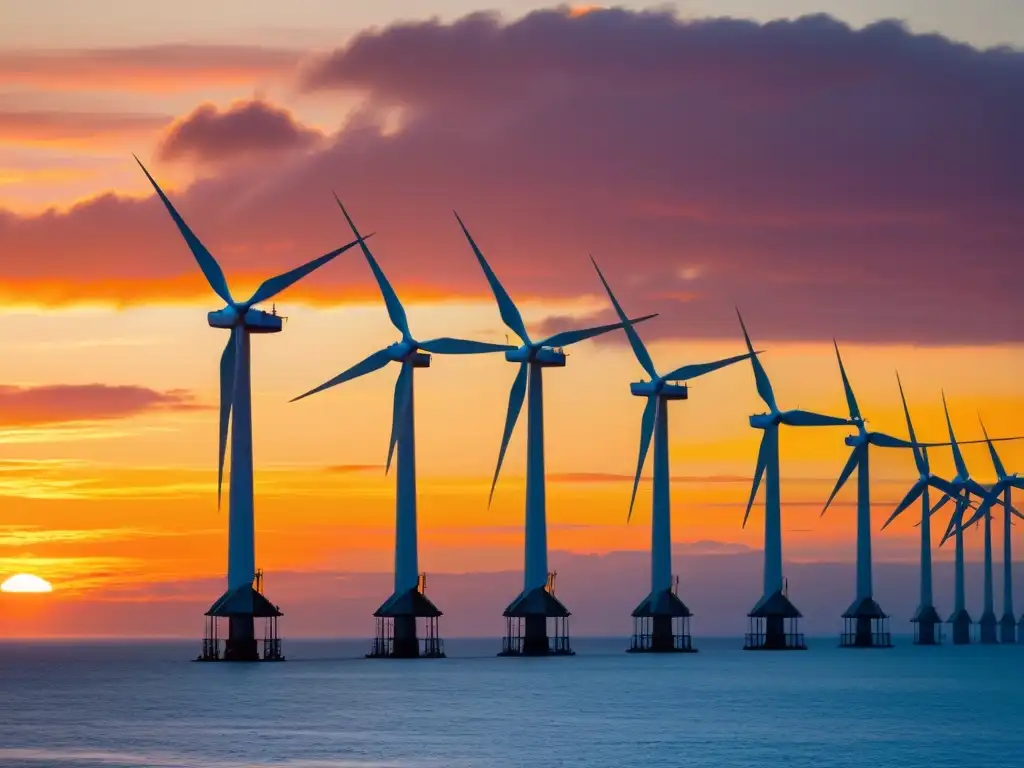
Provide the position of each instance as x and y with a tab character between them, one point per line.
867	618
926	619
768	617
408	602
662	606
241	603
536	603
963	486
1001	488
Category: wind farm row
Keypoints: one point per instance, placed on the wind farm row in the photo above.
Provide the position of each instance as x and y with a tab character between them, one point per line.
536	621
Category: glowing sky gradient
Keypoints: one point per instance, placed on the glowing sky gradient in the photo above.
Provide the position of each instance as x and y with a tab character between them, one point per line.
830	180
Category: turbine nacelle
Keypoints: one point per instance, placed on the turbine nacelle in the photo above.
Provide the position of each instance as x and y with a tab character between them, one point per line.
253	320
408	351
666	390
546	357
765	420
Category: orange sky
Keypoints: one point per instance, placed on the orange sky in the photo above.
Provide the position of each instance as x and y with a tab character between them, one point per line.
106	491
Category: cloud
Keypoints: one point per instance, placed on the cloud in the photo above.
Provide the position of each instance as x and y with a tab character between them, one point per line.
349	469
66	403
150	68
866	184
245	129
89	129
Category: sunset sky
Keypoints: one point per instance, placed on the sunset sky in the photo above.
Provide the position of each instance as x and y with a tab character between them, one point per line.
833	176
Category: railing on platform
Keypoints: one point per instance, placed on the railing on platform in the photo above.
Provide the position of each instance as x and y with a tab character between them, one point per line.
645	641
759	640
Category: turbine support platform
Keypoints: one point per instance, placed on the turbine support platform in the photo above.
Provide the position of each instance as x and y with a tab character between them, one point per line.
988	629
774	625
1008	629
241	607
961	621
1020	630
661	624
927	626
536	624
865	625
398	634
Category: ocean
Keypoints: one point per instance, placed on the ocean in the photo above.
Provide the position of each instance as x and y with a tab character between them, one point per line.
145	705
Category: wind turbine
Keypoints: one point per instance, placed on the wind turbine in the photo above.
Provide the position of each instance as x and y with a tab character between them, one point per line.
768	617
1000	489
926	619
964	486
866	616
662	606
396	617
537	602
241	603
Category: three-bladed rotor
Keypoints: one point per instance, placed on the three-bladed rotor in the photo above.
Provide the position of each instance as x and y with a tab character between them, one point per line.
408	351
659	385
238	316
544	352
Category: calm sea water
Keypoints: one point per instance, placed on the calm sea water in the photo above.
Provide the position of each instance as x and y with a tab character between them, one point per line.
144	704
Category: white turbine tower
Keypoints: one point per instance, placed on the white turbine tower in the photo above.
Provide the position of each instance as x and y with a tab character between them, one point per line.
767	630
526	617
654	618
396	617
926	620
1000	492
241	603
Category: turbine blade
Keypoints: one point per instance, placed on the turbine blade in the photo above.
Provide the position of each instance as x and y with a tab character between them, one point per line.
856	456
403	395
954	520
912	495
211	269
944	486
372	363
509	312
798	418
565	338
448	346
642	355
942	502
271	287
888	441
851	401
984	507
976	488
758	474
996	461
395	309
646	431
958	458
688	372
516	396
227	397
764	386
920	457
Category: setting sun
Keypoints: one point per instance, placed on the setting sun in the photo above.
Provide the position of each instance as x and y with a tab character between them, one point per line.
25	582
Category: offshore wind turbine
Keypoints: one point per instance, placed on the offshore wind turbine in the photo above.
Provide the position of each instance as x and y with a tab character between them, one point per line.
241	604
963	487
396	617
926	619
866	622
662	607
1001	489
526	617
767	626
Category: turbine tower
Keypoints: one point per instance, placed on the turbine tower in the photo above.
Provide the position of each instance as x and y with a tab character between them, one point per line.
526	617
241	604
866	624
397	635
654	618
926	620
767	626
1000	490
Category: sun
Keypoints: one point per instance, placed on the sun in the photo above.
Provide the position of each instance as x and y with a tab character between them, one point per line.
25	582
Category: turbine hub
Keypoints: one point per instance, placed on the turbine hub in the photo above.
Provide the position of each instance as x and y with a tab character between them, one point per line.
253	320
765	420
546	357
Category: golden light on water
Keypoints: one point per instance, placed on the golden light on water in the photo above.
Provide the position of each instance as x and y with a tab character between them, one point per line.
25	582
